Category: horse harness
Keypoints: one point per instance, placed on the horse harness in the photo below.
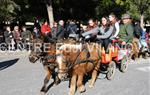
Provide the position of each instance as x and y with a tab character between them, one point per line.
78	60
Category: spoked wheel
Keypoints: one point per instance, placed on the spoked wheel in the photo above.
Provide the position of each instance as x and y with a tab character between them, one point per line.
124	64
3	47
111	70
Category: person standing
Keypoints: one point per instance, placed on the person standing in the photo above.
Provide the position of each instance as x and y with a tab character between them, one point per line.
61	30
46	31
17	36
36	33
26	37
37	24
54	30
8	37
45	28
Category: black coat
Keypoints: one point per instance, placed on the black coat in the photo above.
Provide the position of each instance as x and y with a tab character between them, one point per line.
8	36
61	32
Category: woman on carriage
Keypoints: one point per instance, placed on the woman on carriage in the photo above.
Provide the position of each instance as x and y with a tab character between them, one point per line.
109	30
91	31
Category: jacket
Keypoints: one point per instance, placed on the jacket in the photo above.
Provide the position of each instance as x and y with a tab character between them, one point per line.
26	35
45	29
8	36
16	35
107	34
126	33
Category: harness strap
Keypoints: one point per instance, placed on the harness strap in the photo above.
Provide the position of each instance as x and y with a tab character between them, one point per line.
77	60
50	64
52	56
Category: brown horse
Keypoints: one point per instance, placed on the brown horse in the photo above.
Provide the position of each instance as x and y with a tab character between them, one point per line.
46	52
77	60
138	51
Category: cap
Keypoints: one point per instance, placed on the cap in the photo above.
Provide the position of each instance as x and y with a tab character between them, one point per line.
126	16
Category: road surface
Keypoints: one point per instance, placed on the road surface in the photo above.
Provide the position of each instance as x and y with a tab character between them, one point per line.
19	77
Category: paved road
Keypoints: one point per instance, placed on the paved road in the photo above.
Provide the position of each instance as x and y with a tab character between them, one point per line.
19	77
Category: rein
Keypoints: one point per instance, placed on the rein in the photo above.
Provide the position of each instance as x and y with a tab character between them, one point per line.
77	60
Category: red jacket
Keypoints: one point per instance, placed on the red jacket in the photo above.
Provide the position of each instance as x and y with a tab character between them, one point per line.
45	29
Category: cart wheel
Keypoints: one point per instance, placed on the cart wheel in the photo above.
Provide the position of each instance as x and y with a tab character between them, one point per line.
124	64
111	70
3	48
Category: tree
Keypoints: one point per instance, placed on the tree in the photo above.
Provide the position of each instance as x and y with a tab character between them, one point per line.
140	7
105	7
8	9
50	11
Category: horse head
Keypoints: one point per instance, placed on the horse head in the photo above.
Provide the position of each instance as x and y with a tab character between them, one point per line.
66	54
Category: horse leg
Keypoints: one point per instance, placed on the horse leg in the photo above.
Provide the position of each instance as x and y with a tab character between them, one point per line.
46	80
56	80
73	84
135	48
94	76
80	85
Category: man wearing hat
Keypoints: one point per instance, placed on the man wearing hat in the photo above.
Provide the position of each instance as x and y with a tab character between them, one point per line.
126	29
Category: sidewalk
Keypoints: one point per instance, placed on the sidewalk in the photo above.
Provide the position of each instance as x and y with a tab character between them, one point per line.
14	53
140	61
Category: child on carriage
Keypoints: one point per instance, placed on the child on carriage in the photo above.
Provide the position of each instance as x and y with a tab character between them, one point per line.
108	31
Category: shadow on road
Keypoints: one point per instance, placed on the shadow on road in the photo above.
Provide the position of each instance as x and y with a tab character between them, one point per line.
6	64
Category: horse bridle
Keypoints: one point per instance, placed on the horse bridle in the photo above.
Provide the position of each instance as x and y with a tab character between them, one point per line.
35	56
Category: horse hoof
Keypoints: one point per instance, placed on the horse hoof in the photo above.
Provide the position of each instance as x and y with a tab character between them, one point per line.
91	86
57	82
44	89
82	89
71	93
42	93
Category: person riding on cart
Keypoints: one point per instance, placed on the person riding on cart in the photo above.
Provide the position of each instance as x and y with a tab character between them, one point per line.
126	30
91	30
111	31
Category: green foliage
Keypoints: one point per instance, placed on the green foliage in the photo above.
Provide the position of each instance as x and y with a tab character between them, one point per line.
8	9
138	7
68	9
105	7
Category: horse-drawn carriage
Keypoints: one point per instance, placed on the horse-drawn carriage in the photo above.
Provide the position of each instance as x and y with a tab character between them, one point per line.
81	61
116	57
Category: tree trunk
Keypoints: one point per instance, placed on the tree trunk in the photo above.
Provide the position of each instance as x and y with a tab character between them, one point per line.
50	14
142	20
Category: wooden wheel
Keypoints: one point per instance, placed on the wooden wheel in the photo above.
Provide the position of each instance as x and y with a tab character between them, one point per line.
111	70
